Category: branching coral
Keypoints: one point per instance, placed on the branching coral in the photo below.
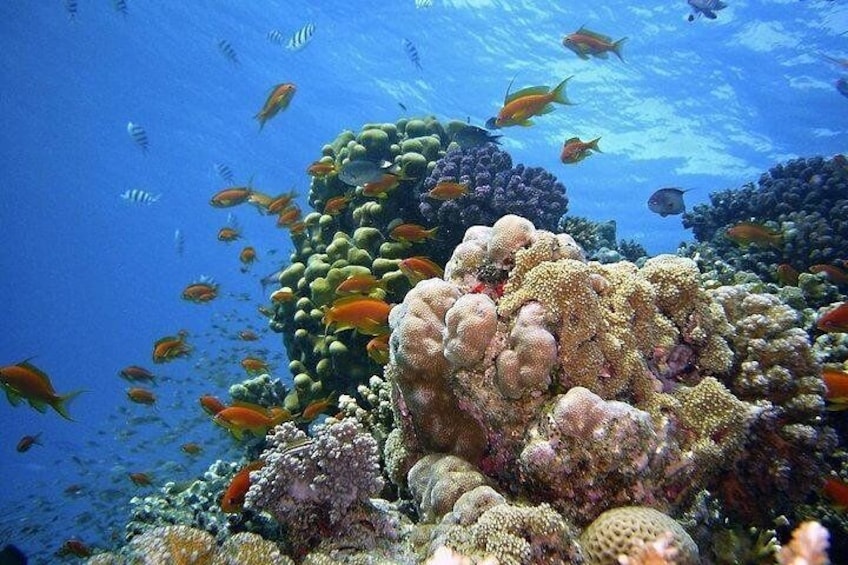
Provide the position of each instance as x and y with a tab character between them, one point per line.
319	486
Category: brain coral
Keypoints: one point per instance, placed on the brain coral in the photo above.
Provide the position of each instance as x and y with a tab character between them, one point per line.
639	364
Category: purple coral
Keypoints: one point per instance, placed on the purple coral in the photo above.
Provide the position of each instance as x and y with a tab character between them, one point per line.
316	487
495	189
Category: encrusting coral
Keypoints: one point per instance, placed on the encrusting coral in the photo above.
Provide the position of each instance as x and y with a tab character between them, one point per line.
630	396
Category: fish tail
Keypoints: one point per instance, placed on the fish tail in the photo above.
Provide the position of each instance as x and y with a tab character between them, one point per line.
60	405
559	93
593	145
616	47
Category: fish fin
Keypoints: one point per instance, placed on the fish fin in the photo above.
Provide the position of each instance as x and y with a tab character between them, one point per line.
616	47
602	55
528	91
559	93
594	145
13	397
39	405
237	433
547	109
60	404
259	431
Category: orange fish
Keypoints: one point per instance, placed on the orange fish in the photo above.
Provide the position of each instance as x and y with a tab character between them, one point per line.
28	441
74	548
281	202
746	233
247	335
420	268
412	233
585	42
247	256
210	404
321	169
787	274
836	490
254	365
359	284
574	150
134	374
448	190
337	204
297	228
288	216
141	479
191	448
378	349
26	381
199	292
228	234
282	295
520	106
170	347
231	196
833	274
835	320
380	188
279	99
317	407
141	396
836	381
367	315
239	419
233	498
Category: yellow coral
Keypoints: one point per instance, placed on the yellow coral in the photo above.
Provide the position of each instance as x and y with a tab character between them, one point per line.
173	545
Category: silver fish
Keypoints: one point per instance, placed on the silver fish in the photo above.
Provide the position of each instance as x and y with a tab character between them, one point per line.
138	135
227	50
139	196
412	53
301	37
272	278
706	7
357	173
179	242
667	201
274	36
225	173
423	3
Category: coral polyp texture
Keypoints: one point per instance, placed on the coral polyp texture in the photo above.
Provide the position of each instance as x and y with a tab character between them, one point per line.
363	187
588	386
802	200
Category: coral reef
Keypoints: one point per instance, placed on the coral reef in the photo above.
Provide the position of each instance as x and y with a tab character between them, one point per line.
318	487
167	545
638	387
494	188
803	198
598	240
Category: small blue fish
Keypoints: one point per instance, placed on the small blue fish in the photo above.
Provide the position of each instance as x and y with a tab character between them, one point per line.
275	37
412	53
139	196
138	135
121	7
303	36
227	50
842	86
71	7
225	173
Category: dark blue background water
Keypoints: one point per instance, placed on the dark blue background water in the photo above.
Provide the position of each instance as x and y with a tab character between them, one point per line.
90	281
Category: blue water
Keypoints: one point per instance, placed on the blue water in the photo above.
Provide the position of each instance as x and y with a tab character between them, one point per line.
90	281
